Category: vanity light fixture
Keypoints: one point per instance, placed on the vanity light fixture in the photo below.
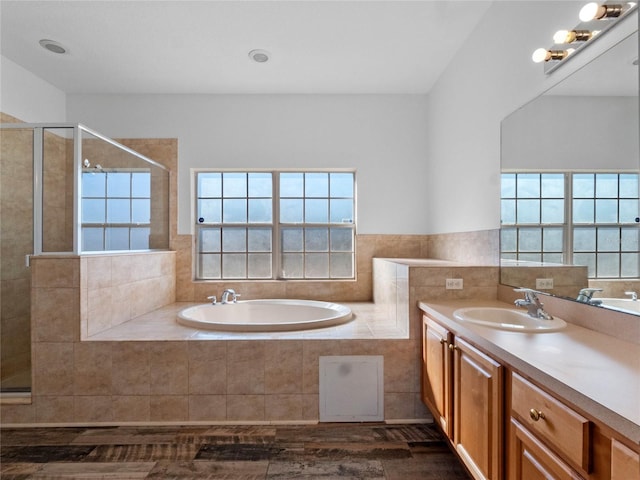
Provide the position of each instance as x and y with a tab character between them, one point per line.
570	36
596	11
544	55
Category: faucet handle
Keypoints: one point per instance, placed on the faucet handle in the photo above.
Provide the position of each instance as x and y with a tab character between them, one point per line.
213	299
529	293
634	295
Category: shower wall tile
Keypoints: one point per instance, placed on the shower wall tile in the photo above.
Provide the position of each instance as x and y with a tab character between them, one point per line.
53	368
56	272
93	369
56	314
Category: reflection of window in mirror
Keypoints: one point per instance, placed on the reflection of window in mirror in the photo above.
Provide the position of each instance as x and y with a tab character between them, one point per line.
582	218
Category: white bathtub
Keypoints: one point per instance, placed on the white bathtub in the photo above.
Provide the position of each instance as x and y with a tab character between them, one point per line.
273	315
622	304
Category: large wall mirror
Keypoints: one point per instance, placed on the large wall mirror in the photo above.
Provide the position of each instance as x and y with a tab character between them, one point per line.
571	156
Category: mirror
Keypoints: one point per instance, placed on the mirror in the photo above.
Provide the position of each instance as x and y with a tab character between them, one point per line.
586	123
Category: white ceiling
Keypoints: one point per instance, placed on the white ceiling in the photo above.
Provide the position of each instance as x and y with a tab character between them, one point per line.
190	47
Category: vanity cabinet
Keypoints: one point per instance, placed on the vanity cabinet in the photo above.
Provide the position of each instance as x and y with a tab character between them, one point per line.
625	463
463	388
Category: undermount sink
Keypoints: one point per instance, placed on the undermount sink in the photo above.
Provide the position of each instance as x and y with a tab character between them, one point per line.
508	319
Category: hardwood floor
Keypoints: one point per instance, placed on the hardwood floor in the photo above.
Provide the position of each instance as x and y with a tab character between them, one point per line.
357	451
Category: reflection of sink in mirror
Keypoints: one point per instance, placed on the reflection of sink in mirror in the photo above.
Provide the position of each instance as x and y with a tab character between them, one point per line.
508	319
622	304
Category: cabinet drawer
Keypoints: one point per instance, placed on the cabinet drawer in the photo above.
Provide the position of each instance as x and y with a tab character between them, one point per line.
564	429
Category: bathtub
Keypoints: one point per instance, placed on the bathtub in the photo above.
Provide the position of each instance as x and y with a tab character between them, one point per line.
272	315
621	304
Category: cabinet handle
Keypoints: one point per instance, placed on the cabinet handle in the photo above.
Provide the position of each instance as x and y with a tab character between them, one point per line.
442	341
452	347
536	414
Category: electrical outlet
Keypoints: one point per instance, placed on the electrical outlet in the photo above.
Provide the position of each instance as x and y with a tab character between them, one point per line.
453	284
544	283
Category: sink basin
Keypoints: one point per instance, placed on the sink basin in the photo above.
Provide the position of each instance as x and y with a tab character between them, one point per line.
508	319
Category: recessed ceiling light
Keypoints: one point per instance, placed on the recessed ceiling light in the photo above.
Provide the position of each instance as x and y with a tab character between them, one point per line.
259	56
53	46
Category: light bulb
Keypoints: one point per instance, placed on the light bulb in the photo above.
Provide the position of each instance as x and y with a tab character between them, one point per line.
590	11
540	55
562	36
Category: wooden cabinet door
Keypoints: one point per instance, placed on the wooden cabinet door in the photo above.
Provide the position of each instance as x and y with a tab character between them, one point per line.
478	411
530	459
436	372
625	463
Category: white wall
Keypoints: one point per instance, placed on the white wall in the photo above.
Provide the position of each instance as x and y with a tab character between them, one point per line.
382	136
491	76
572	133
27	97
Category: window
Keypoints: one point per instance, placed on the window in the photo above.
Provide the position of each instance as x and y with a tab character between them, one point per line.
286	225
580	218
116	210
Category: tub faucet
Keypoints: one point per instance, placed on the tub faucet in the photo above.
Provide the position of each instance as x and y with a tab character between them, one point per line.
585	296
225	296
532	304
213	299
634	295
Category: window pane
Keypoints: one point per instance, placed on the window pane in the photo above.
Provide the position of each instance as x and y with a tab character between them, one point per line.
141	185
292	265
260	185
210	266
583	185
259	239
116	238
552	211
630	265
316	265
316	185
292	185
92	239
234	184
552	257
530	239
587	259
259	265
553	185
606	185
528	211
508	238
606	211
628	211
234	210
583	211
552	239
209	185
118	184
608	265
292	240
260	210
528	185
608	240
341	184
628	185
508	211
291	211
341	240
530	257
118	211
341	211
93	211
210	211
93	184
139	238
316	240
141	210
210	240
316	211
630	239
508	185
584	240
342	265
234	240
234	265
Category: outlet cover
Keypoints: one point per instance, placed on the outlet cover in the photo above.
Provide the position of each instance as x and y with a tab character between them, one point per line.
453	284
544	283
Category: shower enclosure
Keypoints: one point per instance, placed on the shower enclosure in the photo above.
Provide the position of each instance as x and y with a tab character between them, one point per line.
67	190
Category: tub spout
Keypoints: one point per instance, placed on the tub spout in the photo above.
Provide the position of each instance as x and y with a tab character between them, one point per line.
229	293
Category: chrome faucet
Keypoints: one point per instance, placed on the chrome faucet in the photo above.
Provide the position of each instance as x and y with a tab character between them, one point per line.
532	304
585	296
634	295
229	293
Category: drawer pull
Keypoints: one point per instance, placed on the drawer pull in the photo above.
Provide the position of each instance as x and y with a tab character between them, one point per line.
452	347
536	414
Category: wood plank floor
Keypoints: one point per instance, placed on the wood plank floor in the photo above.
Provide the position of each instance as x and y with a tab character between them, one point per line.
325	451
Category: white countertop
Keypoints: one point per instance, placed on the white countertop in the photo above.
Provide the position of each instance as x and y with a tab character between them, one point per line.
595	373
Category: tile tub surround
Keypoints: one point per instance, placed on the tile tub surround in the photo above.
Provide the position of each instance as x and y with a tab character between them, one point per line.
393	452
